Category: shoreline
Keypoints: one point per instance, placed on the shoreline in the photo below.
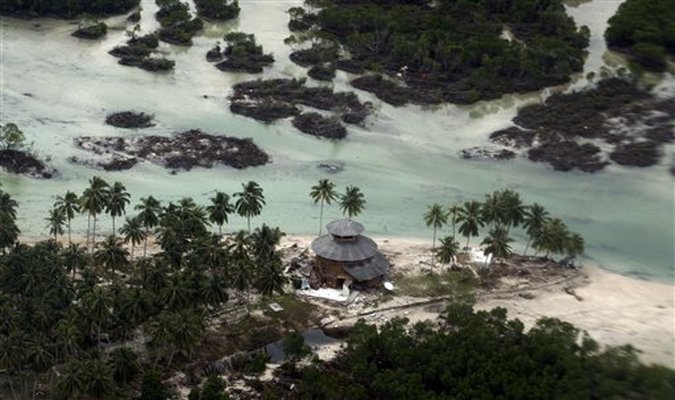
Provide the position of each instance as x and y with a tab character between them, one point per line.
614	309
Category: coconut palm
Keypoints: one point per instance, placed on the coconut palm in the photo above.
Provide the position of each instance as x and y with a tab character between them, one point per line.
132	232
493	210
55	222
435	217
148	214
71	380
323	192
469	220
448	250
74	258
69	334
96	305
9	232
497	243
117	201
249	201
453	212
93	202
125	364
99	381
551	237
352	202
219	209
8	205
69	206
514	210
111	255
12	354
534	219
574	245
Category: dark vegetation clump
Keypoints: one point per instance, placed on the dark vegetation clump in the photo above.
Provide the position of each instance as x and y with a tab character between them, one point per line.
130	119
91	31
324	72
473	355
137	53
265	99
219	10
22	162
66	9
615	112
242	54
177	25
645	30
316	54
447	51
316	124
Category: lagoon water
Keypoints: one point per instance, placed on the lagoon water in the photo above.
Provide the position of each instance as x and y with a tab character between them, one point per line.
56	87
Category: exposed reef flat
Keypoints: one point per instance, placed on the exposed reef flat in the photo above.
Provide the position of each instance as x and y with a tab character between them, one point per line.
184	150
570	131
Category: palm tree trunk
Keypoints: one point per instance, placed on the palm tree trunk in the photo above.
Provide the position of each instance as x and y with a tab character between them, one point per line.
453	230
433	247
88	229
527	246
132	252
11	386
69	242
93	235
113	218
467	240
321	218
248	219
220	230
145	242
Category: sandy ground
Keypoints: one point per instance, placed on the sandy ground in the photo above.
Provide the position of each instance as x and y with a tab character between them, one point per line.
613	309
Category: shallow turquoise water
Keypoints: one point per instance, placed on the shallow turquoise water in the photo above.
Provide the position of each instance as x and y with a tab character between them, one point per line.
403	159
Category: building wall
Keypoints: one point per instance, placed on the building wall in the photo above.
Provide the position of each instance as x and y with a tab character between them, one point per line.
331	273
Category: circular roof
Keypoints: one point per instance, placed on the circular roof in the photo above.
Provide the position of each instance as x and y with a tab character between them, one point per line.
357	249
345	228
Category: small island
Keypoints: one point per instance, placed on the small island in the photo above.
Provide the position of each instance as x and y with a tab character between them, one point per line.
218	10
91	30
267	100
130	119
16	158
138	52
177	25
242	54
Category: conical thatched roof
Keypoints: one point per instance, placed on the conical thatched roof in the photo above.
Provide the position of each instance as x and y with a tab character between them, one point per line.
345	228
357	249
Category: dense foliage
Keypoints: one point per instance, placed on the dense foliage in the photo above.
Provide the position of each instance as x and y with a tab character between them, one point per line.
178	26
457	50
218	9
65	306
644	29
477	355
67	8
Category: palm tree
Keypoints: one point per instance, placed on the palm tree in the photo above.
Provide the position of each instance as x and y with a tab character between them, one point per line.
97	304
69	334
111	255
352	202
55	222
148	214
118	198
69	206
124	363
448	249
551	237
8	205
71	381
514	211
241	263
9	232
93	202
534	219
453	212
574	245
99	380
249	201
323	192
12	354
133	233
436	218
497	243
219	209
469	219
493	209
74	258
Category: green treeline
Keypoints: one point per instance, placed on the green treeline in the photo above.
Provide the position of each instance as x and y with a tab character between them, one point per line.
475	355
457	42
646	30
67	8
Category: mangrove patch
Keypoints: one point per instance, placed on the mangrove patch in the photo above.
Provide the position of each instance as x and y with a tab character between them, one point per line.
184	150
241	54
138	52
568	130
91	31
266	99
218	10
130	119
22	162
450	51
177	24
